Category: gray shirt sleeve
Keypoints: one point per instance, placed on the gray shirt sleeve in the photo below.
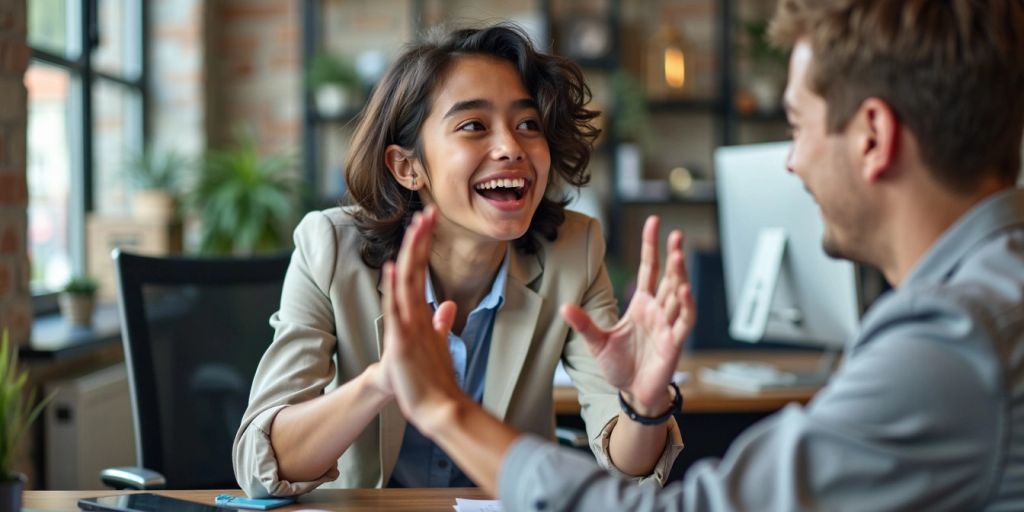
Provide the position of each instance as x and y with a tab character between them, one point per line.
911	422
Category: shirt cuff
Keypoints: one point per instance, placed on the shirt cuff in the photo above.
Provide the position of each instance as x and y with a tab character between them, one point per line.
257	469
660	473
536	473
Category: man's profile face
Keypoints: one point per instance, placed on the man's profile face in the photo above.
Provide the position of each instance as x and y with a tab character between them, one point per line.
825	163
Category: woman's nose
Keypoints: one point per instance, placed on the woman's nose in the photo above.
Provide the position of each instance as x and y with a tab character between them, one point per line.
507	147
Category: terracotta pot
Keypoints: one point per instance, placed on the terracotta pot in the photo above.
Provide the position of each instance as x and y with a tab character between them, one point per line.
77	308
10	492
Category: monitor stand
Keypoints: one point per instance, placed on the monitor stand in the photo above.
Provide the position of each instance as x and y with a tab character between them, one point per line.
755	376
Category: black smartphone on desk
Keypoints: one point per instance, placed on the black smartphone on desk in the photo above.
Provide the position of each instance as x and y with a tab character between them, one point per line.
146	502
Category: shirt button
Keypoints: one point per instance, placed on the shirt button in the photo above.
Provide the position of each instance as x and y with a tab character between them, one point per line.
443	464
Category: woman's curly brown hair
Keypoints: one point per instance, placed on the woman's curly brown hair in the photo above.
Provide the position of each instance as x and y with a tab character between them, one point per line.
401	102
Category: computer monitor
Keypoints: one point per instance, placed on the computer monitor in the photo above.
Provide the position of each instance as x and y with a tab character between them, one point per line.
780	284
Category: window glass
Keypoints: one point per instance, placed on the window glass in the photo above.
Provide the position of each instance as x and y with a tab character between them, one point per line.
117	131
53	26
119	50
49	163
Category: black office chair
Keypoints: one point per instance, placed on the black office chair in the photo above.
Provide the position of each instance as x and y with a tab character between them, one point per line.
194	331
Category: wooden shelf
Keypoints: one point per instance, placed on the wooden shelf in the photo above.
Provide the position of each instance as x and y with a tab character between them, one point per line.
774	116
698	105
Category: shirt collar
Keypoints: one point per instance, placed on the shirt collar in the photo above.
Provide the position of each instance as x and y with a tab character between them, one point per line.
494	298
1000	211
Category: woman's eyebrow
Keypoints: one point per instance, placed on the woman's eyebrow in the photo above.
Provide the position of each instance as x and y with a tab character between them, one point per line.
478	104
482	104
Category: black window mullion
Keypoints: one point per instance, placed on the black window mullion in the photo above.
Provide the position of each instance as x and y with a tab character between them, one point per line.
75	66
89	38
131	84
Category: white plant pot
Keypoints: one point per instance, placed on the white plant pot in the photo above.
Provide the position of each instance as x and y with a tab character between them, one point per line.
332	100
76	308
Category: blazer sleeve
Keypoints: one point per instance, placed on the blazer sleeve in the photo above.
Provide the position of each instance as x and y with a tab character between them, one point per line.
599	404
299	363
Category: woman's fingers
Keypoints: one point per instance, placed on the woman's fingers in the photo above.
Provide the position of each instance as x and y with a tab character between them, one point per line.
648	274
413	258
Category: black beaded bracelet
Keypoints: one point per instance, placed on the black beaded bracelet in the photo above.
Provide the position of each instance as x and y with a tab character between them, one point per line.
677	405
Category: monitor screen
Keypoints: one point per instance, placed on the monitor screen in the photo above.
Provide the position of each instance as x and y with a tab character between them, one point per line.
780	285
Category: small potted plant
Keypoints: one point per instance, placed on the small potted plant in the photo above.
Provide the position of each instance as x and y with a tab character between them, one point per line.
157	176
16	416
334	83
77	300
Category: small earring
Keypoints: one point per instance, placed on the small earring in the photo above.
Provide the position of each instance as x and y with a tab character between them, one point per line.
414	180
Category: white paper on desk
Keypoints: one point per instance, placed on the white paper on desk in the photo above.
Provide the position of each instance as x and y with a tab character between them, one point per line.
464	505
562	377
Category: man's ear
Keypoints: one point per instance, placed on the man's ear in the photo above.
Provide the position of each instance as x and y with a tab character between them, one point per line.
402	165
878	139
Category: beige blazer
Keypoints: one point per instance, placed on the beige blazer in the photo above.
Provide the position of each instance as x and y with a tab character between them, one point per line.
328	329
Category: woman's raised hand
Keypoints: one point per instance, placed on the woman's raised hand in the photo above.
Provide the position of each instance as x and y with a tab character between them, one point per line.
639	353
415	360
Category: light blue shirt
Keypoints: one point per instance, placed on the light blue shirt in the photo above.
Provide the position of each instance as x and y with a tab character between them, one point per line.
926	413
420	462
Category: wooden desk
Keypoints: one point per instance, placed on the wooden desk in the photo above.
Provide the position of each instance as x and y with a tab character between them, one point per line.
346	500
707	398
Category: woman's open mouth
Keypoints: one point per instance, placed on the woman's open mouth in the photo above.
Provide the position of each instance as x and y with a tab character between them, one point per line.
504	193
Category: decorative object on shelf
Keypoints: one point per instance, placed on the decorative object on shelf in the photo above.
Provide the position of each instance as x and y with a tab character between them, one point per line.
666	63
686	183
158	176
633	130
370	66
334	83
77	300
246	202
17	412
767	75
586	38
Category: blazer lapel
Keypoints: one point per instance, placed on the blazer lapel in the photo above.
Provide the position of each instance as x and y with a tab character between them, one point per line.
513	333
392	423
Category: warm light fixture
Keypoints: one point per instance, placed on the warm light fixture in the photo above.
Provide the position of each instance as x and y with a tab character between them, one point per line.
675	67
666	63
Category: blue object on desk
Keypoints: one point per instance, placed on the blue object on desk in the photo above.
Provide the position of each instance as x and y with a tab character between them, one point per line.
252	503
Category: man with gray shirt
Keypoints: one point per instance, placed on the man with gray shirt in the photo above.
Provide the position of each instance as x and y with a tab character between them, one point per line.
907	123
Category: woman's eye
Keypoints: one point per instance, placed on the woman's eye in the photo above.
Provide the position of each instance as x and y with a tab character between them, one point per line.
472	126
529	124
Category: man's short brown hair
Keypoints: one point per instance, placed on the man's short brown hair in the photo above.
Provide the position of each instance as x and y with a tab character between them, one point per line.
951	70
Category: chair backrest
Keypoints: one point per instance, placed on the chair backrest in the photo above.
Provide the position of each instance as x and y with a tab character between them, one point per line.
194	331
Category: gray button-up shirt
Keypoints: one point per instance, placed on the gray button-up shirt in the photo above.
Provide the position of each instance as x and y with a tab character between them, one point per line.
926	412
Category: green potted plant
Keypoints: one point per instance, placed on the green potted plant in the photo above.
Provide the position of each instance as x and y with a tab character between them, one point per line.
157	176
77	300
334	83
767	66
245	202
17	413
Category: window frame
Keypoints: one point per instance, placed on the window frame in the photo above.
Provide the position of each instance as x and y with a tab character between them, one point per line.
83	73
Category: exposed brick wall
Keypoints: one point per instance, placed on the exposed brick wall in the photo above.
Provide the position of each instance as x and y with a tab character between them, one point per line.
15	297
177	77
254	68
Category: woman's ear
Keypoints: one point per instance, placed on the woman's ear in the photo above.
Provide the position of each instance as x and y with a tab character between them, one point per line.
402	165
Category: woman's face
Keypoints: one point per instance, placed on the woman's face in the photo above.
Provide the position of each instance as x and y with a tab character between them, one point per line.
487	159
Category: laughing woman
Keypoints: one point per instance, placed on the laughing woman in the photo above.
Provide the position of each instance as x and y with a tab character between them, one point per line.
480	127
